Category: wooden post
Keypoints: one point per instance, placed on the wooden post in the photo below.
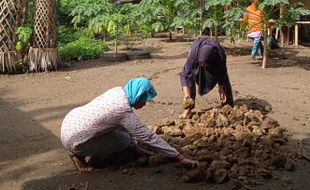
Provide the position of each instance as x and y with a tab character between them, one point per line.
288	36
277	34
296	35
281	31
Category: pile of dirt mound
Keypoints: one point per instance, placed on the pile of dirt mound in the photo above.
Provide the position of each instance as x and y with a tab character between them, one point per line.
234	143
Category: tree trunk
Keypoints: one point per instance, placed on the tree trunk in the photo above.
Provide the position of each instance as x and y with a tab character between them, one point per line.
116	41
43	55
170	36
23	16
25	11
281	29
10	16
215	33
265	44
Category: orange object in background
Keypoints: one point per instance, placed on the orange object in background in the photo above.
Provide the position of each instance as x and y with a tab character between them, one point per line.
254	17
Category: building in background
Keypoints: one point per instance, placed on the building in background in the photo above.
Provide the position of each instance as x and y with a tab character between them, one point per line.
304	29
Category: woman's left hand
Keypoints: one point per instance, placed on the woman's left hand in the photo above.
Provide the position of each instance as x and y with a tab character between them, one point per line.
222	94
185	160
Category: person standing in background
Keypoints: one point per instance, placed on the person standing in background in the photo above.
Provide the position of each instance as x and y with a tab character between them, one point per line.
254	17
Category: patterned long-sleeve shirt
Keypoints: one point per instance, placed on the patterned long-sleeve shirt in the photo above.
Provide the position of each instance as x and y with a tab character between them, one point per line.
108	112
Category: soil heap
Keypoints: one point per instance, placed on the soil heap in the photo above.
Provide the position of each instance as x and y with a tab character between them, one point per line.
232	143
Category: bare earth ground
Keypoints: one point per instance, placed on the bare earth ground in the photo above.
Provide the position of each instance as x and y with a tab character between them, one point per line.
32	108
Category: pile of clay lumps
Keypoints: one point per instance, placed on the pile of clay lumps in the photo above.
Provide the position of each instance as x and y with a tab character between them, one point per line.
232	143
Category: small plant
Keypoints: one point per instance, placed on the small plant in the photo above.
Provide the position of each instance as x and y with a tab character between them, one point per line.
23	34
82	49
66	35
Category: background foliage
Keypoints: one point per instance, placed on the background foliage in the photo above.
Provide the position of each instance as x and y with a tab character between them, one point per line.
85	26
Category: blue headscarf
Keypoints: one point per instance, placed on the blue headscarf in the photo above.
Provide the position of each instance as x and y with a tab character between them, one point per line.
139	90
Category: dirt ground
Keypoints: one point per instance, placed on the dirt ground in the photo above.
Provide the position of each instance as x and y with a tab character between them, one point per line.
32	108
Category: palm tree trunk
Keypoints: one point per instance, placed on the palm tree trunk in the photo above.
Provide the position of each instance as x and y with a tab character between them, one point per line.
10	16
43	54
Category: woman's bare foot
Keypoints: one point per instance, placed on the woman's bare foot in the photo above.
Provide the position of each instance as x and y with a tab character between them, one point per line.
80	163
186	113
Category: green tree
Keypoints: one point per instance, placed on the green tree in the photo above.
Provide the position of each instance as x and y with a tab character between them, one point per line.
214	16
165	15
234	12
224	15
86	10
187	17
291	15
100	16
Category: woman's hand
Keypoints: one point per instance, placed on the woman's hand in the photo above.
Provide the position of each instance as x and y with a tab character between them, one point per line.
185	160
222	94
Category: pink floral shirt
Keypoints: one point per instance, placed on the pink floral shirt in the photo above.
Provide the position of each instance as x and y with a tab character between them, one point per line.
109	111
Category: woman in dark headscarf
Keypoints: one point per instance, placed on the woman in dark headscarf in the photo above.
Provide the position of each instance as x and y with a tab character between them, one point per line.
107	125
205	66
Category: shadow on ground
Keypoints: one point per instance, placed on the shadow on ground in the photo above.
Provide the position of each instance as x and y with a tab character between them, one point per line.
288	57
165	176
101	62
238	51
24	136
254	104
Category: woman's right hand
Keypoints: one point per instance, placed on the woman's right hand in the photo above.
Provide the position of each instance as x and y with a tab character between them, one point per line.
186	98
184	160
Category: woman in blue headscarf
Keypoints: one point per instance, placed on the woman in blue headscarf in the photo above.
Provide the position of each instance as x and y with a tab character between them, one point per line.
107	125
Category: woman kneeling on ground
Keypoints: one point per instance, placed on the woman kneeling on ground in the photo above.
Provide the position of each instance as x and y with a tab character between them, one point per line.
107	125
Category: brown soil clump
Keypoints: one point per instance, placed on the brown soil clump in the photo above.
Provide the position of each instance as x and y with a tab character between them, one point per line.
188	104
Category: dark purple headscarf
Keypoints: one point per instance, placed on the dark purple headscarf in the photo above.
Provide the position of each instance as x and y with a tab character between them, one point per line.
207	54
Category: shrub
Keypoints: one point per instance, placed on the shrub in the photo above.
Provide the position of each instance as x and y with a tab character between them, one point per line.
66	35
82	49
